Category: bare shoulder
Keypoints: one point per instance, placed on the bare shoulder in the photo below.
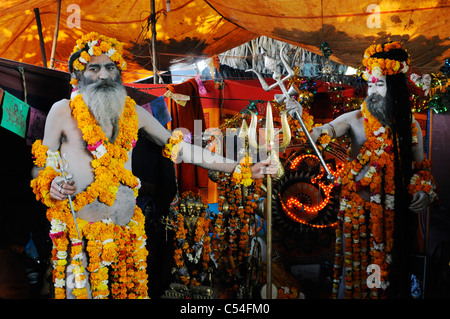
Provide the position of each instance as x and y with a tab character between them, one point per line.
57	118
142	115
139	110
353	115
60	109
151	126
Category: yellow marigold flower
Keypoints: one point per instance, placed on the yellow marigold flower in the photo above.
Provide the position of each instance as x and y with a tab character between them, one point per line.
85	56
115	56
78	65
105	46
97	50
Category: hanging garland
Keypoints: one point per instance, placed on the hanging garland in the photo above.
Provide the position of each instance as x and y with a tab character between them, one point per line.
191	256
233	231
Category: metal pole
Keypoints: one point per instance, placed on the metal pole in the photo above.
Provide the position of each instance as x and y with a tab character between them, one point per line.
330	176
55	36
153	21
41	37
269	239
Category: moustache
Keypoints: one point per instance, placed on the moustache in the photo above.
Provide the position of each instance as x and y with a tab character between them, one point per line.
104	84
100	84
375	98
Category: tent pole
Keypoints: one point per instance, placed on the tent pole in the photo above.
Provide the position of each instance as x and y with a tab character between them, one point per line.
153	22
55	36
41	37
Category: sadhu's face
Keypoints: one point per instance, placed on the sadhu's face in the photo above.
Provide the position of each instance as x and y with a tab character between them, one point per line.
377	86
101	67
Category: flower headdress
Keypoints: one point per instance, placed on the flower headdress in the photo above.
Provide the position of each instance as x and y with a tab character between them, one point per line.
93	44
384	59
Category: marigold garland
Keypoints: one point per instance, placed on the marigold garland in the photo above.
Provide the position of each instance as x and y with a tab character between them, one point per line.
324	138
378	67
109	158
172	148
242	173
422	180
95	45
196	253
119	248
232	232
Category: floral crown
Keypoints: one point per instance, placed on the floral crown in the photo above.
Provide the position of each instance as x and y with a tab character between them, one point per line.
94	44
378	66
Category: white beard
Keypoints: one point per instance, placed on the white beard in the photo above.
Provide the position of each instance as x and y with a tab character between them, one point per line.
105	103
376	104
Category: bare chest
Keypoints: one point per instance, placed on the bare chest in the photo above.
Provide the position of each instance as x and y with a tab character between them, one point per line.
79	159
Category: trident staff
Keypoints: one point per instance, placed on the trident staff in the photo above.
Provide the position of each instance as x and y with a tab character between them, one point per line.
66	177
272	152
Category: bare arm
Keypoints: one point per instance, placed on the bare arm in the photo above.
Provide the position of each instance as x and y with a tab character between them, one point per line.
53	130
59	115
195	154
417	149
336	128
420	199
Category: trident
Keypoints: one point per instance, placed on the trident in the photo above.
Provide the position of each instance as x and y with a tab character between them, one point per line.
63	166
269	146
270	137
271	64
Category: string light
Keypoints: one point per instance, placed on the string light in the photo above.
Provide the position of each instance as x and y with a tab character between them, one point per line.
300	220
293	202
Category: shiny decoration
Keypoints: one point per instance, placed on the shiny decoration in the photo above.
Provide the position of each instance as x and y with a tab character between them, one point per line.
326	50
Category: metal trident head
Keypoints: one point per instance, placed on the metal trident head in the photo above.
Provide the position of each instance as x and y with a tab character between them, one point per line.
276	75
270	133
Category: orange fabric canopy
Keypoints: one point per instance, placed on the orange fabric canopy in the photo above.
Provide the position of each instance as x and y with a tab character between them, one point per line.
196	29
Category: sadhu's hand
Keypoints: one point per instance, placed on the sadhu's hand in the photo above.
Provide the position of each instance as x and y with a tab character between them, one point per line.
59	189
419	202
261	169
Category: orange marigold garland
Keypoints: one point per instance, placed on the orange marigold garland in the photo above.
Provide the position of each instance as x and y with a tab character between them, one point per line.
172	148
242	173
233	232
194	254
378	67
324	139
95	45
422	180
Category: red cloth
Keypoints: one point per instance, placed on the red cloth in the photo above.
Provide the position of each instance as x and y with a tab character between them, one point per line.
190	177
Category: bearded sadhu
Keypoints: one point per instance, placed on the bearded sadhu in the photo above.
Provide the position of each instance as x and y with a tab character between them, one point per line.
102	252
386	181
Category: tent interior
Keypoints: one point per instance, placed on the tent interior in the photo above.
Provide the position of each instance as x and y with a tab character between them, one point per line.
203	50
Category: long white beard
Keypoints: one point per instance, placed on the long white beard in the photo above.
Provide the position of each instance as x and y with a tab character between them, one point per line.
106	103
377	106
